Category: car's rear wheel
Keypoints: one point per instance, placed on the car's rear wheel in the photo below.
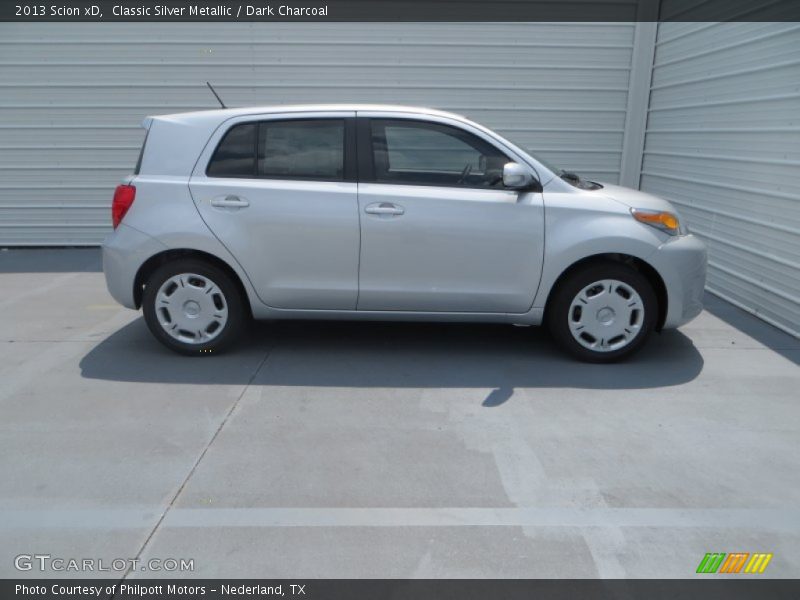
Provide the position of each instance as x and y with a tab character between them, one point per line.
192	307
602	312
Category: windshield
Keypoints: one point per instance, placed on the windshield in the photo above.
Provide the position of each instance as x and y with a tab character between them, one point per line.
554	168
567	175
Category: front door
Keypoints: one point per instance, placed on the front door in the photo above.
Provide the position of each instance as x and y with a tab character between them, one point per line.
280	194
438	230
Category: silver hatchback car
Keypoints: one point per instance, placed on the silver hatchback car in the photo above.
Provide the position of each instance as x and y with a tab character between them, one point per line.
386	213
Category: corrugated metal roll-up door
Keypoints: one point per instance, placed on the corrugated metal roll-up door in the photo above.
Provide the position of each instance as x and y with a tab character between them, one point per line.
73	95
723	143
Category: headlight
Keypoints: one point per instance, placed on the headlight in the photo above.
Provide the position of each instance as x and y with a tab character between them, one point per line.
663	220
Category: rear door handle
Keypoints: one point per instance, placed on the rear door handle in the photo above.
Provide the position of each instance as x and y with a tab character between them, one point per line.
229	202
384	208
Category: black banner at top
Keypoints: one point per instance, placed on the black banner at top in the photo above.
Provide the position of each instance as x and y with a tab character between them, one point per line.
398	10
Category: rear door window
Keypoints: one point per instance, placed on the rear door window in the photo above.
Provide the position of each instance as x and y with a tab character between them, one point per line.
302	149
311	149
236	154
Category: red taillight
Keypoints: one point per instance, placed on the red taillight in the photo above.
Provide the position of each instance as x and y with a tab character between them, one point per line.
124	196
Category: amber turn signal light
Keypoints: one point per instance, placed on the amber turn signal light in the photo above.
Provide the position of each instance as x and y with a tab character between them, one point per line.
666	221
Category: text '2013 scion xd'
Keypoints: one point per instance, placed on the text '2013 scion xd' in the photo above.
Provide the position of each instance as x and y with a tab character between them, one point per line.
386	213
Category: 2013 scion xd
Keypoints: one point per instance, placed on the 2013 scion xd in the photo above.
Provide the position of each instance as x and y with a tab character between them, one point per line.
386	212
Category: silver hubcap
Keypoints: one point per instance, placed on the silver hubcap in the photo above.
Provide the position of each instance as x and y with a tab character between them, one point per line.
606	315
191	308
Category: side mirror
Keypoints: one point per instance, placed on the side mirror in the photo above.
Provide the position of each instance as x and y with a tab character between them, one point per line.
517	177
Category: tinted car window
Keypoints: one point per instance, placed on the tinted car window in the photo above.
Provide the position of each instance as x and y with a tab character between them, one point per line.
235	155
420	153
302	149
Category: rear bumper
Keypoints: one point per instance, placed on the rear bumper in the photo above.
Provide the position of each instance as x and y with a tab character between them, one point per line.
124	252
681	261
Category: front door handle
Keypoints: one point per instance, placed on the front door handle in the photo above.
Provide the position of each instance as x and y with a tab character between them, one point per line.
230	202
384	208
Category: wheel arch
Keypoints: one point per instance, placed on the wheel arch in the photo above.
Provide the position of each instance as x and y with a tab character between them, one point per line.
154	262
645	268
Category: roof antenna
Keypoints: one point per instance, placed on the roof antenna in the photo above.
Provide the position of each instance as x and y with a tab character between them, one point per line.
221	103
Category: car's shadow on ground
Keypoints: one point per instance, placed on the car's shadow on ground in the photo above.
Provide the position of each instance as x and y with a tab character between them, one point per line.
346	354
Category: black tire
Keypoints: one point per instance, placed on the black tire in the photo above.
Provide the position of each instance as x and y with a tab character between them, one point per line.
557	313
227	334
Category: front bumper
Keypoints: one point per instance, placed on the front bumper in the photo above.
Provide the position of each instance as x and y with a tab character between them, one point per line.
681	262
124	251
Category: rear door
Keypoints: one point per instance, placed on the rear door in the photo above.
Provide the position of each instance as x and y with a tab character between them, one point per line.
439	232
280	193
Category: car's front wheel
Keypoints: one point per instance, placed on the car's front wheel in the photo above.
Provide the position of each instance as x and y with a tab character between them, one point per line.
192	307
602	312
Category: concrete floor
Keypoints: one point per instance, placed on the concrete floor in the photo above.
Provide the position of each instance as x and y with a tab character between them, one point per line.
387	450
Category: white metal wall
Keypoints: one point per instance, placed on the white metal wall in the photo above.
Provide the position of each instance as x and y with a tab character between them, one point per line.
72	96
723	144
